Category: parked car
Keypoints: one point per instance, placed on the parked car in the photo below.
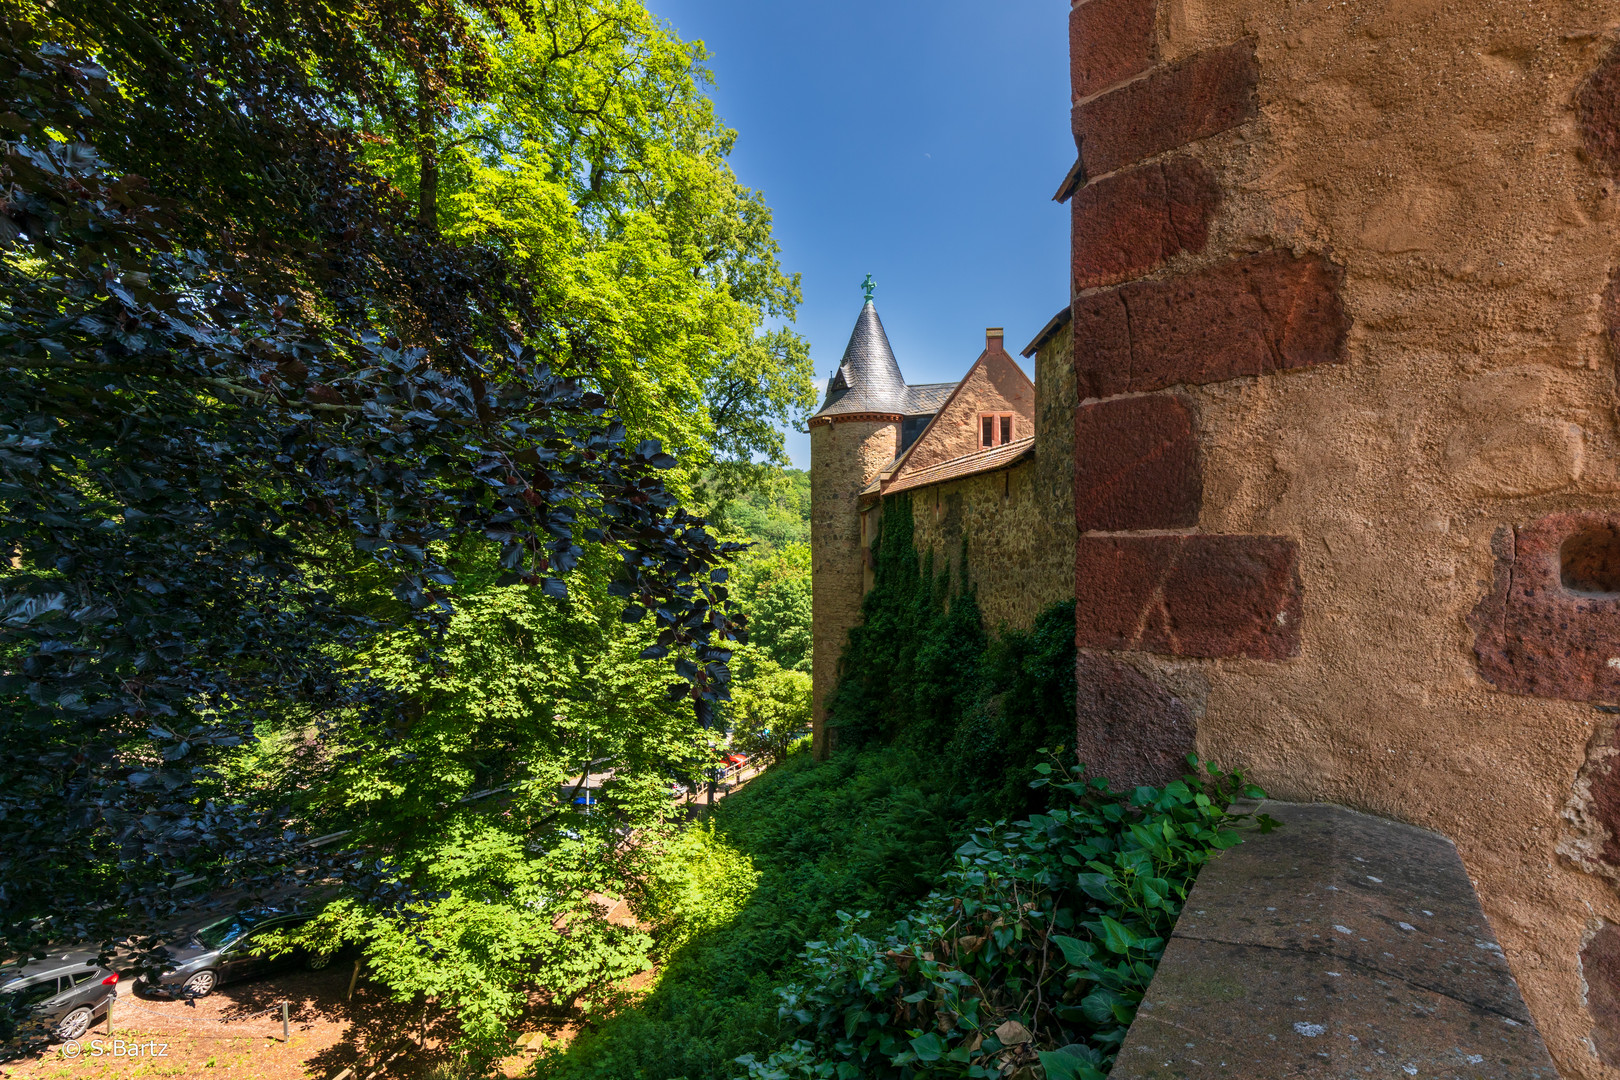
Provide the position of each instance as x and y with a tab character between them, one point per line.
64	993
224	952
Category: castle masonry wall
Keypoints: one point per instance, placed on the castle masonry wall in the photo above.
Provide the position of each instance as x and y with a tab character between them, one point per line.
1387	574
1018	522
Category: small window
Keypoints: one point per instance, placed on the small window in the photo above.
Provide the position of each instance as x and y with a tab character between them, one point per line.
995	429
82	977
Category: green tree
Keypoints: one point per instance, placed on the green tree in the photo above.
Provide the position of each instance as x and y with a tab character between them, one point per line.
591	157
305	530
770	706
774	590
475	800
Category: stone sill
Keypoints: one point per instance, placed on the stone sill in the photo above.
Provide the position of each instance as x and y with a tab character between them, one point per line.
1339	945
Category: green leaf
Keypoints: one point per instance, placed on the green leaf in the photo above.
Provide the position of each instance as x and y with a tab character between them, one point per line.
929	1047
1099	1006
1062	1066
1117	937
1078	953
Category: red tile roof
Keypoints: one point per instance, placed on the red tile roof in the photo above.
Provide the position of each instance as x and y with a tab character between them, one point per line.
997	457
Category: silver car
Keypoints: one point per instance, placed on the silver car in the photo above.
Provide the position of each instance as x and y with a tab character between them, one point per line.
61	994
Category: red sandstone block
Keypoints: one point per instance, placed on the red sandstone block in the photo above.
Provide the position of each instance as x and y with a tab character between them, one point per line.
1253	316
1201	96
1131	222
1127	727
1136	465
1597	109
1550	626
1209	596
1109	41
1600	971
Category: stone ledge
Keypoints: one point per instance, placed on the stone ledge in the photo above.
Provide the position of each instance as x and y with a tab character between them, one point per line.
1340	945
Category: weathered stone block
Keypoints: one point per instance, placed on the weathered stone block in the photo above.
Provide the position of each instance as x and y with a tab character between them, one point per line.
1203	95
1591	834
1252	316
1136	465
1550	626
1597	112
1600	967
1210	596
1109	41
1127	727
1127	224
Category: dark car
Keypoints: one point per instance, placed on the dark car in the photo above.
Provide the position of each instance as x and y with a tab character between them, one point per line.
224	951
64	993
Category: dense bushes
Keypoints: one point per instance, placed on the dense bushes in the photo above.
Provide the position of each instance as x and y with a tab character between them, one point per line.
695	883
1035	948
869	830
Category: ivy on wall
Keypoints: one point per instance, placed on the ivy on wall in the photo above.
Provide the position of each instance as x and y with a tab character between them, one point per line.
921	671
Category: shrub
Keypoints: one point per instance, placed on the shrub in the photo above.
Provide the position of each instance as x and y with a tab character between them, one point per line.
1035	948
696	883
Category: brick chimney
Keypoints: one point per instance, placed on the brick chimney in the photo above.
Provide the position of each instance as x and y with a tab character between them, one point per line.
993	339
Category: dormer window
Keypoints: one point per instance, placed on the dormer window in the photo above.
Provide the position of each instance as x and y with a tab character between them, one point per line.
995	429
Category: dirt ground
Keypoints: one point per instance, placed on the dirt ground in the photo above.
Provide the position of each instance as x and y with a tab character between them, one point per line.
235	1033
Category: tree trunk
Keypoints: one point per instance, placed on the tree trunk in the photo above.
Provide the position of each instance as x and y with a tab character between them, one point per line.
427	152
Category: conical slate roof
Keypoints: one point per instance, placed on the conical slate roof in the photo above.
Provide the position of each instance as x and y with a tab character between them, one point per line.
869	378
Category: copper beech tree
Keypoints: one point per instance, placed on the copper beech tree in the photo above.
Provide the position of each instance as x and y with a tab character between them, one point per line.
241	371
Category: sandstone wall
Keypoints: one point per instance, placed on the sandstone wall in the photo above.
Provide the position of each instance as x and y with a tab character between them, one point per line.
1340	276
844	457
1018	522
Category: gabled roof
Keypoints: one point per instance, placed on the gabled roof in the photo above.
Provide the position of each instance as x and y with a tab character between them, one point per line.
868	379
996	457
935	443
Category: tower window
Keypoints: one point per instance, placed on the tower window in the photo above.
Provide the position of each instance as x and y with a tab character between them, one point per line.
995	429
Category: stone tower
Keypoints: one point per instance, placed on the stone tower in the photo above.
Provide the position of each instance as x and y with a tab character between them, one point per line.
856	432
1347	464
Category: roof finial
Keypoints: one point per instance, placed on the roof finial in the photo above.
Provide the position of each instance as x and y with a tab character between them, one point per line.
869	285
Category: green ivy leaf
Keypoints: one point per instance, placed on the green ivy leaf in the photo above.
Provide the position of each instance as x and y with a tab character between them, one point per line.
1078	953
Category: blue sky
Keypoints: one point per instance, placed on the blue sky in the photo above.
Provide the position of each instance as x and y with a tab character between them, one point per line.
918	142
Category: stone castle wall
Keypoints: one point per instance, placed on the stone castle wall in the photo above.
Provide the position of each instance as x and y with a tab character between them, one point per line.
1347	460
1018	522
844	456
